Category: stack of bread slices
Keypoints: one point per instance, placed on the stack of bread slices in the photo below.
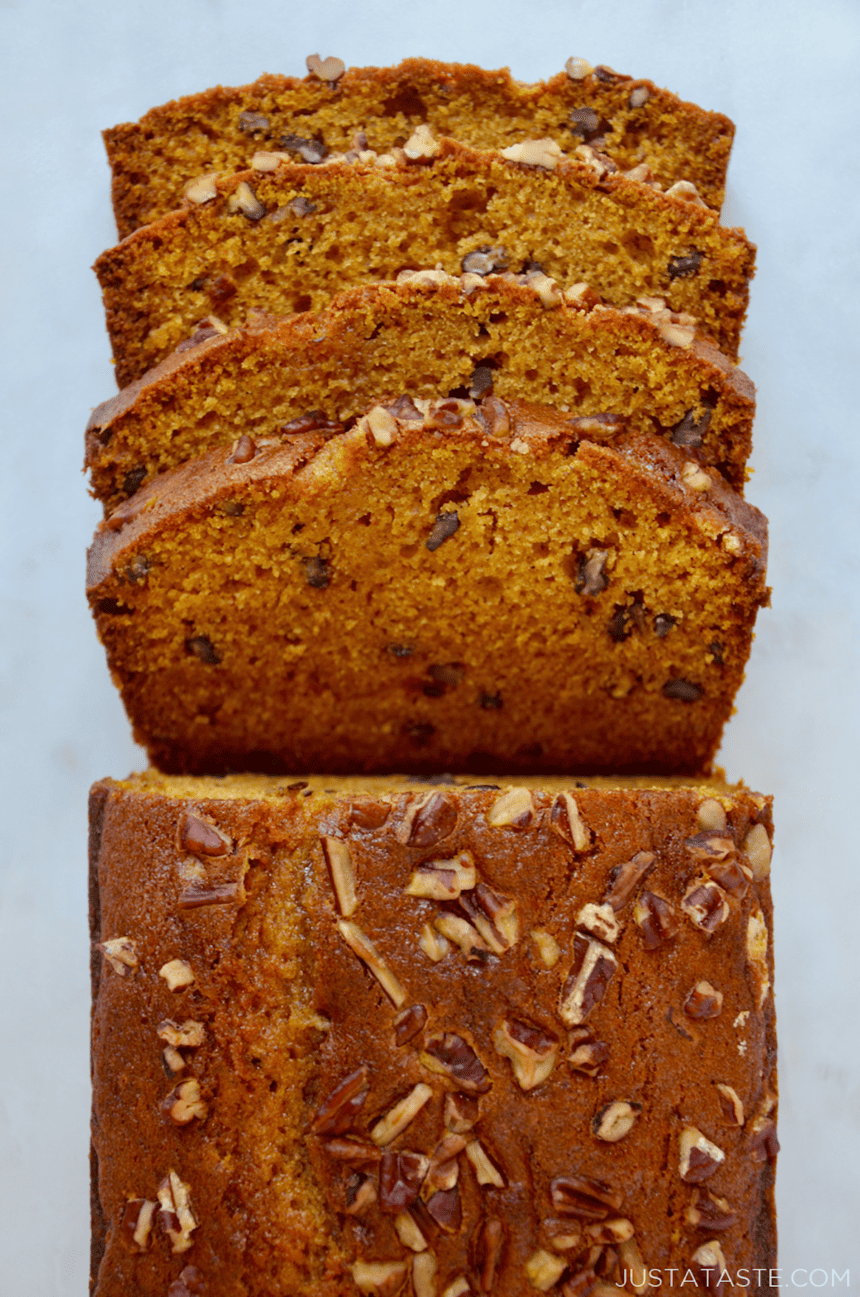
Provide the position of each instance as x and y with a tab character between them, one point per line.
430	956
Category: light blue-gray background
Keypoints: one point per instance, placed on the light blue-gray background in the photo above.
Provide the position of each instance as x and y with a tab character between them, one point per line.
788	74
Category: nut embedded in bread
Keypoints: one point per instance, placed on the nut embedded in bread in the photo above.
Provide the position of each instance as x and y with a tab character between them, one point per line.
442	585
352	1107
286	236
185	141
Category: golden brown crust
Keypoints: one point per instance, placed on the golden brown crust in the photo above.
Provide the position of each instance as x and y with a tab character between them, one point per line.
152	160
286	1012
635	363
395	573
307	232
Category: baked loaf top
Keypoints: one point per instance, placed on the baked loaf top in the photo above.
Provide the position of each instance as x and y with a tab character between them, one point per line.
347	1036
429	335
217	131
286	236
442	585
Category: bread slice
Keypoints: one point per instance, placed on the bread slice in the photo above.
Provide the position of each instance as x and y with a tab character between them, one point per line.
287	236
336	111
432	335
441	586
379	1036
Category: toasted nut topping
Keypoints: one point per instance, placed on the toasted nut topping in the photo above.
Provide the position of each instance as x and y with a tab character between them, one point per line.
424	1267
401	1174
444	1169
548	292
593	966
566	821
355	1152
184	1103
379	1278
173	1060
708	1212
615	1120
535	153
610	1231
244	450
639	95
757	956
421	145
678	335
199	892
495	918
543	1270
548	948
188	1035
176	1215
564	1235
578	69
758	849
694	477
381	425
600	164
360	1194
704	1001
730	1102
408	1232
329	69
335	1114
244	200
361	944
631	1260
457	1287
531	1050
625	878
489	1239
177	974
486	1171
584	1197
514	809
451	1056
599	920
408	1023
709	1265
706	906
339	861
687	190
711	815
434	945
136	1224
764	1144
462	934
201	838
121	954
395	1122
203	189
699	1158
587	1054
656	918
443	880
445	1209
461	1112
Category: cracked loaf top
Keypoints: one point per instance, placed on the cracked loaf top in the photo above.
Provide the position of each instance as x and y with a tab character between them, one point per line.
352	1034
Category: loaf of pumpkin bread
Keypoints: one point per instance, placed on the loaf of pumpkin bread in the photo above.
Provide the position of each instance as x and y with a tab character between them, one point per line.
359	110
286	236
431	335
443	585
383	1036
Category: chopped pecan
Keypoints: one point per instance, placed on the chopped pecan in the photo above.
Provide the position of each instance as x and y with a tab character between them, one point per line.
446	1210
450	1056
462	934
544	1269
177	974
764	1144
584	1197
514	809
758	849
362	946
757	956
335	1114
431	820
709	1268
600	921
201	838
408	1023
395	1122
626	877
587	1054
614	1121
201	892
708	1212
591	578
610	1232
704	1001
409	1232
548	948
705	905
136	1223
730	1102
121	954
593	967
339	860
699	1157
443	880
360	1194
531	1050
486	1171
461	1112
443	1171
495	918
379	1278
401	1174
656	918
566	821
185	1103
175	1212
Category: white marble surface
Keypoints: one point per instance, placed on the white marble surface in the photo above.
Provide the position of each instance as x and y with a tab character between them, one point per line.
787	73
